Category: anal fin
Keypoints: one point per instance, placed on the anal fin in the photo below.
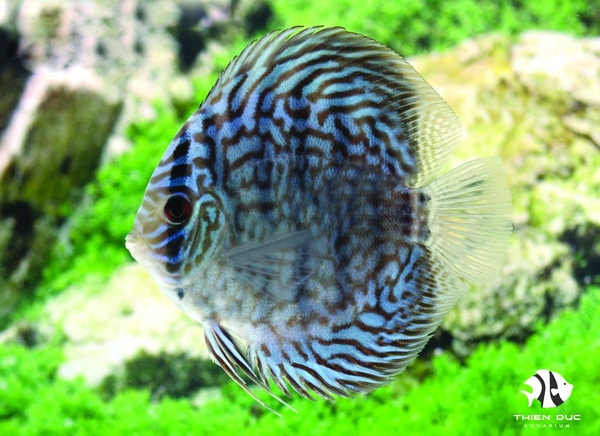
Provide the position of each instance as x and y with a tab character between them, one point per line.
226	353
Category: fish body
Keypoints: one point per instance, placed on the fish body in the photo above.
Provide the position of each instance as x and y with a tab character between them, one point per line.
549	388
296	215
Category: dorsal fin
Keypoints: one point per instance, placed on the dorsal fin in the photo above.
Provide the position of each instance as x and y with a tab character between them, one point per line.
258	54
430	127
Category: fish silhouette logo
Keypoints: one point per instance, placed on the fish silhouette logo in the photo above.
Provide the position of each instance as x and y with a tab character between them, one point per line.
549	388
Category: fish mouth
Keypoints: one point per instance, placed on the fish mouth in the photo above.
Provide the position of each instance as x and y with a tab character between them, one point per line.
136	247
141	252
131	242
129	239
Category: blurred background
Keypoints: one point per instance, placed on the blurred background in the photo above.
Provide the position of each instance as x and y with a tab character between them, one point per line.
91	93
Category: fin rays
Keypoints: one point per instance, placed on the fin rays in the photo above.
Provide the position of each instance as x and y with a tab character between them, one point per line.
229	357
470	219
265	266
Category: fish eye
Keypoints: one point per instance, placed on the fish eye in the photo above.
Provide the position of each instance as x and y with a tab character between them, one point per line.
178	209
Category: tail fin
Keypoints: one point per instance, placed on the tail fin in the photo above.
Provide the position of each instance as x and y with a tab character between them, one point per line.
530	396
470	219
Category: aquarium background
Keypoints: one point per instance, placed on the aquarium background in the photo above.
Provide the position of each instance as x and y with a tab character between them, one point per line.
91	93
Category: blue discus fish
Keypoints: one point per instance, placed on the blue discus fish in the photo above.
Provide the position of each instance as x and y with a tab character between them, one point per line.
296	215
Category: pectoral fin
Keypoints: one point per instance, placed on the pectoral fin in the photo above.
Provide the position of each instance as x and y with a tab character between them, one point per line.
276	266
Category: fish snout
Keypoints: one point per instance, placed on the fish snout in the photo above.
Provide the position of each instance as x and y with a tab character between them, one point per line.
134	244
130	240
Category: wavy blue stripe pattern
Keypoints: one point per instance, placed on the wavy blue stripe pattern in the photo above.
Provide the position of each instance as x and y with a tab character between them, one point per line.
306	256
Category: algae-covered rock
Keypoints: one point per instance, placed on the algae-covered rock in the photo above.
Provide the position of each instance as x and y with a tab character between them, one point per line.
50	150
534	102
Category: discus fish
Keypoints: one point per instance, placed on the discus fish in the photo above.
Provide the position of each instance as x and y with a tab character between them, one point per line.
296	216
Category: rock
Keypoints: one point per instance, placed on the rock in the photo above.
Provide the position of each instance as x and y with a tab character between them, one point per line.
124	333
535	103
105	326
552	63
12	72
49	151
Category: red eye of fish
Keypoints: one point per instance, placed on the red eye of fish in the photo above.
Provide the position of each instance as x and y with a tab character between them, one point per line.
178	209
